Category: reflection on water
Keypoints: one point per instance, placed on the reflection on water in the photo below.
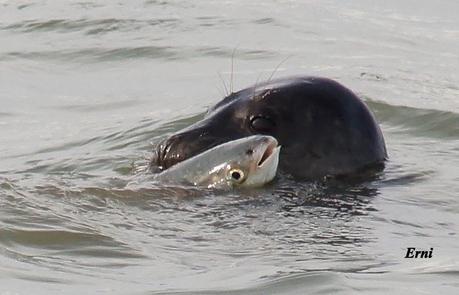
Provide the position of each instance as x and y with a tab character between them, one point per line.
88	89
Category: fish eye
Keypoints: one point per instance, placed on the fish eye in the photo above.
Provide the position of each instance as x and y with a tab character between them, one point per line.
249	152
262	123
236	174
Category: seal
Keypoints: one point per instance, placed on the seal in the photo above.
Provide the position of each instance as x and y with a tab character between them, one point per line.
323	127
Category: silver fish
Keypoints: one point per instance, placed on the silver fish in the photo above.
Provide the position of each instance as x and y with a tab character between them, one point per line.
246	162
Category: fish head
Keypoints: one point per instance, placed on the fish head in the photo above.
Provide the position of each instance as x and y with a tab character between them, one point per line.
246	162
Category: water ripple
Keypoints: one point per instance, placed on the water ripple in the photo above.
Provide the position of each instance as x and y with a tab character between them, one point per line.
97	54
90	27
418	122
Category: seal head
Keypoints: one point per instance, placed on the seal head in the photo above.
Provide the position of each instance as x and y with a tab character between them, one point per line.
323	128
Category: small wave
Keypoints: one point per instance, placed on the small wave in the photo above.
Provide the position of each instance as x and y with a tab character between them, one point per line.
417	122
50	238
4	114
89	27
111	105
98	54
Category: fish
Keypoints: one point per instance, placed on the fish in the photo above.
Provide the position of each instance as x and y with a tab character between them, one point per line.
246	162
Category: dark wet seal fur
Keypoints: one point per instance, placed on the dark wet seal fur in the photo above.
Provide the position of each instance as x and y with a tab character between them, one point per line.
323	127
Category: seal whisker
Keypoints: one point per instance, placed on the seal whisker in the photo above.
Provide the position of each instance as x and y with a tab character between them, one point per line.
277	67
256	85
232	68
224	84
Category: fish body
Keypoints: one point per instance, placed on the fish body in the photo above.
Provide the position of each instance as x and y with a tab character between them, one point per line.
246	162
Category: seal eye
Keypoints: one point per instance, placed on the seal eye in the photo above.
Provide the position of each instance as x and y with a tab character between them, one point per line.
262	124
236	175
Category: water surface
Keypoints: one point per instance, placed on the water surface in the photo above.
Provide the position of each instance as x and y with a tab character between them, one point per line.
87	88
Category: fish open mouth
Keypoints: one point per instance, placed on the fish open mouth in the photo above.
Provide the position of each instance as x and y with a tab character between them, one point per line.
269	151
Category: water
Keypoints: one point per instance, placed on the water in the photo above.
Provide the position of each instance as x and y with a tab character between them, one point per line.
87	88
